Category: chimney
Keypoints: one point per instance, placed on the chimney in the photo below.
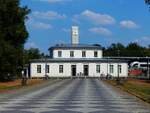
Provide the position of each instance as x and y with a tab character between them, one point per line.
74	35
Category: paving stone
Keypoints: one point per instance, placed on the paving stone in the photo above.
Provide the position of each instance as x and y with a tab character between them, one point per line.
74	96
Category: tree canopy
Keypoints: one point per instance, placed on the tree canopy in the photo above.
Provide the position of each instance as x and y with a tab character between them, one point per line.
147	2
13	35
131	50
32	53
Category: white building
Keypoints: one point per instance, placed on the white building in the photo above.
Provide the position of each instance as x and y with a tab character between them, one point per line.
73	60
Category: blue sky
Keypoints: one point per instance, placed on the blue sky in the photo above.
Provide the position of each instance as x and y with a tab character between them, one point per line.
100	21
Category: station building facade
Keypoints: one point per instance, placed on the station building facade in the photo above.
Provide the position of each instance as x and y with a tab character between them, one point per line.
77	60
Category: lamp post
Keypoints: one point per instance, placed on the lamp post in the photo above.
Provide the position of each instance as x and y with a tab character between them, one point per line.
46	76
148	68
118	77
24	71
107	66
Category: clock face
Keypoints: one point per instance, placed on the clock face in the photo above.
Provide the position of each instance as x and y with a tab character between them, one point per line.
75	32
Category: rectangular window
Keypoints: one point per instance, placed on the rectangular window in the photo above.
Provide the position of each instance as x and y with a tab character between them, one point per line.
98	69
71	53
38	68
59	53
95	54
83	53
119	69
111	68
47	68
60	68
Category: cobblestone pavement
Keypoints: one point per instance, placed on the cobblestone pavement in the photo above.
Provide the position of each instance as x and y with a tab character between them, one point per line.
74	96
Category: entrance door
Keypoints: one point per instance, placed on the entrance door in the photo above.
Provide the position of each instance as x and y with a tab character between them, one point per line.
73	70
86	70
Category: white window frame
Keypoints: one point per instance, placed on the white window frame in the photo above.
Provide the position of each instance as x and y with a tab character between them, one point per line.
98	68
83	53
95	53
47	67
59	53
71	53
111	68
38	69
120	68
61	68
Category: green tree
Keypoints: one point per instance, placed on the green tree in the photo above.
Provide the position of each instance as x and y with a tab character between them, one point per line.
32	53
115	50
148	3
134	50
147	51
131	50
13	35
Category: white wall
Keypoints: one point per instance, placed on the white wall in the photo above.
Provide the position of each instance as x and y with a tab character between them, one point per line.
54	69
77	53
124	71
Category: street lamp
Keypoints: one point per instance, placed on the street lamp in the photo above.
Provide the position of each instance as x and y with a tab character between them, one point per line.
46	68
118	77
107	66
148	68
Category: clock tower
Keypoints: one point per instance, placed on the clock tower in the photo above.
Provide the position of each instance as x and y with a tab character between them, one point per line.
75	35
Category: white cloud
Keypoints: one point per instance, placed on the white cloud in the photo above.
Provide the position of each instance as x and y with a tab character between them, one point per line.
65	30
101	31
76	19
129	24
55	1
96	18
32	23
41	25
143	40
50	15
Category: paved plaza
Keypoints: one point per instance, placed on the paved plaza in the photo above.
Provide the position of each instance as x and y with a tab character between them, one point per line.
73	96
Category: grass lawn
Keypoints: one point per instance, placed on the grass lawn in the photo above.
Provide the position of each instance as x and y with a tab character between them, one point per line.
139	88
6	86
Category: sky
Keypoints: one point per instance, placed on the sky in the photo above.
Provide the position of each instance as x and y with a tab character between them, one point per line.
100	22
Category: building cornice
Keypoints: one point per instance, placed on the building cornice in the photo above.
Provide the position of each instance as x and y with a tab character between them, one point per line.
68	60
76	47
